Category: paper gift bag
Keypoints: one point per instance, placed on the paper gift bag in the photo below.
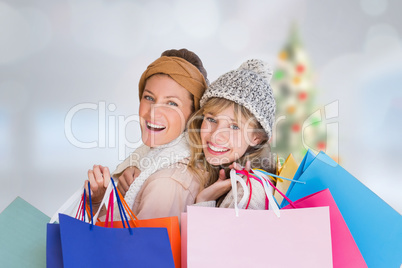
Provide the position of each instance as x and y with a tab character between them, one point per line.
216	237
170	223
288	170
183	229
54	256
345	252
86	245
22	235
307	159
375	226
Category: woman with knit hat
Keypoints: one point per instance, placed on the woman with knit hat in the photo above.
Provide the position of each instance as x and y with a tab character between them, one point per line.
231	130
155	177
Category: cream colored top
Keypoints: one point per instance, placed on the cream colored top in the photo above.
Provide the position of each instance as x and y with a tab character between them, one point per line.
165	185
166	193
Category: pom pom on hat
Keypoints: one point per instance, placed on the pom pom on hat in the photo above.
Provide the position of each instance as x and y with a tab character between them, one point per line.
259	67
248	86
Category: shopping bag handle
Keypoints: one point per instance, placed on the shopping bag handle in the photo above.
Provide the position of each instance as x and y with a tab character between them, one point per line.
248	175
271	201
71	206
109	189
119	199
234	178
123	214
110	211
121	210
90	206
277	176
70	201
125	206
263	174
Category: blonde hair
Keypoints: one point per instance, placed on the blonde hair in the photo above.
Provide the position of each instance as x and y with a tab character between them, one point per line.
259	156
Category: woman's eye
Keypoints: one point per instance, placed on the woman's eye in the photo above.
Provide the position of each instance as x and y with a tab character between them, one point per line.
210	119
148	98
172	103
234	127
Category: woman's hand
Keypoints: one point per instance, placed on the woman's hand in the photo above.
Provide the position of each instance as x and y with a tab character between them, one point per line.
221	186
127	178
99	178
216	190
237	166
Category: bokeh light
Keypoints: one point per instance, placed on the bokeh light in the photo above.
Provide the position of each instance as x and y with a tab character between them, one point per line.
198	19
374	7
23	32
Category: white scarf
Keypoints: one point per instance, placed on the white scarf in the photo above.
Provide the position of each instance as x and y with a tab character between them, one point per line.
149	160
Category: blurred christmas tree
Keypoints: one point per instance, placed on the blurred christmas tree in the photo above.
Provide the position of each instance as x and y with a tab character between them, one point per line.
299	124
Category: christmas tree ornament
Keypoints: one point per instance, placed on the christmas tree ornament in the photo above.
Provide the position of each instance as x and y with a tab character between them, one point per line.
302	96
283	55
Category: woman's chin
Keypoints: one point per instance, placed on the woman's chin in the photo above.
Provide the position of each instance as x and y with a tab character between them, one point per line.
155	142
216	162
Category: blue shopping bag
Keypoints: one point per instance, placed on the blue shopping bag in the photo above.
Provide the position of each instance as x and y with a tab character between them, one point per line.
83	244
375	226
86	245
54	257
307	159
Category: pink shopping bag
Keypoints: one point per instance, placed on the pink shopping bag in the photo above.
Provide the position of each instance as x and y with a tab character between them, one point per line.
345	252
216	237
183	240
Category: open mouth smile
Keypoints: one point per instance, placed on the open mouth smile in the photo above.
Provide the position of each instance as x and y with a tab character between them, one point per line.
213	149
154	127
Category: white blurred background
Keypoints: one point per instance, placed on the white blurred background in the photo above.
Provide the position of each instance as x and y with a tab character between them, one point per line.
55	55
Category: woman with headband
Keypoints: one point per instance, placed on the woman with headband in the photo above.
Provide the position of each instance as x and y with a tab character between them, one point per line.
155	178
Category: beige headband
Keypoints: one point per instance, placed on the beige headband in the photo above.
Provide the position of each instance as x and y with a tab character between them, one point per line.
181	71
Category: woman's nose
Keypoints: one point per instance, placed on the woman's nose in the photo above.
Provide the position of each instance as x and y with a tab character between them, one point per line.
156	111
221	135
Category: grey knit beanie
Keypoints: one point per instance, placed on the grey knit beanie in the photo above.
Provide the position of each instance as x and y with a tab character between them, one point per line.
248	86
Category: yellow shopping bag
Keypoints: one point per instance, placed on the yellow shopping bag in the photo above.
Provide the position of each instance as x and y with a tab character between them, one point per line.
288	171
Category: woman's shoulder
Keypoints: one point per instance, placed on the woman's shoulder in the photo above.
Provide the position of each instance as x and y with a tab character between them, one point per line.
176	173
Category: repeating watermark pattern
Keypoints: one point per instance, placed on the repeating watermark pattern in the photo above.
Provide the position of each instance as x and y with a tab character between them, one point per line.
106	124
329	113
111	126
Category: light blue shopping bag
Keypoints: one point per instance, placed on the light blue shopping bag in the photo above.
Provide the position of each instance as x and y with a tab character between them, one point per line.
375	226
22	235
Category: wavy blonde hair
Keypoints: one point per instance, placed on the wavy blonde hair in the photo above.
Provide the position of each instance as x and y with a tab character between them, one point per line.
259	156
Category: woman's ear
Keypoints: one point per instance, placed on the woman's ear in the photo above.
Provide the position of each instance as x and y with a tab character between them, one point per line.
255	140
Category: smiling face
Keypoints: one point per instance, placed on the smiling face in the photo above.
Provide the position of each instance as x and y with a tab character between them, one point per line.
165	107
225	139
